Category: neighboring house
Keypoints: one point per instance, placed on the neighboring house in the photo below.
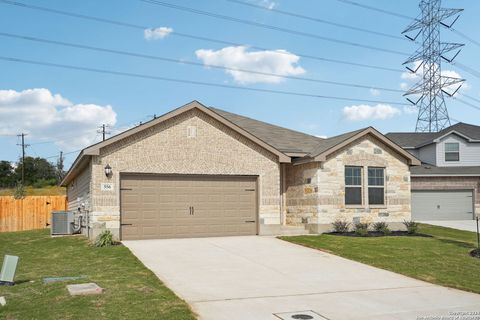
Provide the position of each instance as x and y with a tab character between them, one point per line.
447	185
199	171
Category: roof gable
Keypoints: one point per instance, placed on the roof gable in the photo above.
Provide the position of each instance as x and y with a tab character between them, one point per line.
333	144
95	149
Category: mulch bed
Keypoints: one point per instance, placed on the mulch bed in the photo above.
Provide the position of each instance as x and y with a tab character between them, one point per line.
379	234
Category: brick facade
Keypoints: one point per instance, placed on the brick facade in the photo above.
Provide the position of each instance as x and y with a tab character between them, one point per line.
449	183
166	149
316	191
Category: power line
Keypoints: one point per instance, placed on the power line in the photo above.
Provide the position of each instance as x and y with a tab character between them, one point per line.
269	27
463	35
195	37
193	63
470	97
467	103
364	6
305	17
403	16
467	69
198	83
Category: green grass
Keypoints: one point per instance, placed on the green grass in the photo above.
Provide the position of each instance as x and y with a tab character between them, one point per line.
31	191
440	257
131	290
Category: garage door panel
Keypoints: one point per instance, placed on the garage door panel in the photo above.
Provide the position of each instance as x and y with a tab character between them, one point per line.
159	206
442	205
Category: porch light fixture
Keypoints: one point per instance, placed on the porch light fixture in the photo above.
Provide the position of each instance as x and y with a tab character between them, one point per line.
108	170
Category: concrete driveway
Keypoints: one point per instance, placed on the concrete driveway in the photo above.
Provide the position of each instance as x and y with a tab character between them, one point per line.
266	278
467	225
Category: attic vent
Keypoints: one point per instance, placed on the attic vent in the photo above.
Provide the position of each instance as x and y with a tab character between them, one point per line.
308	180
191	132
377	151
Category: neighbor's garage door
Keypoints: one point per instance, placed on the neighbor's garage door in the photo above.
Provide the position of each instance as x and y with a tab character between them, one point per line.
442	205
154	207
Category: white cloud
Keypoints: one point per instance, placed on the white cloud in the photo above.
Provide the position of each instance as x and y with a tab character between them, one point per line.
375	92
366	112
156	33
410	109
267	4
279	62
47	116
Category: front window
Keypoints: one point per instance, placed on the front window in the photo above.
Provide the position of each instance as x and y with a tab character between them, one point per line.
376	186
353	185
452	151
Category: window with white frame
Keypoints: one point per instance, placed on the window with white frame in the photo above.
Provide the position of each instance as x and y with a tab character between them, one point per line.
376	186
452	151
353	186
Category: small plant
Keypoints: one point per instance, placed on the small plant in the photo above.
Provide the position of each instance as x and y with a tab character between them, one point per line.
19	192
361	229
381	227
411	226
341	226
104	239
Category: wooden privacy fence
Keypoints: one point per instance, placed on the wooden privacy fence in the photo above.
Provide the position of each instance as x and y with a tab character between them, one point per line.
31	212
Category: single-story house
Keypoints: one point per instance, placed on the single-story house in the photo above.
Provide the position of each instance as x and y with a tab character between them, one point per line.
447	184
199	171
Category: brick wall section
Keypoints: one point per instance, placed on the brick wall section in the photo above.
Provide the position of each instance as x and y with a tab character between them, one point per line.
450	183
166	149
322	201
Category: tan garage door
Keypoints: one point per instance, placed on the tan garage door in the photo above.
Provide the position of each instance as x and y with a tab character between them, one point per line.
154	207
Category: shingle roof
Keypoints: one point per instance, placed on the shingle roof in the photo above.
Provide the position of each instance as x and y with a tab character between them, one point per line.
326	144
415	139
411	139
282	139
426	169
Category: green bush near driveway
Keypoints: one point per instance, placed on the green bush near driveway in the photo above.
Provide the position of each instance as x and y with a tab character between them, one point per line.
131	290
438	255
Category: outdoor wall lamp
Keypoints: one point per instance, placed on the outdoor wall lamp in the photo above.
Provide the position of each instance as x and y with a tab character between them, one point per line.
108	170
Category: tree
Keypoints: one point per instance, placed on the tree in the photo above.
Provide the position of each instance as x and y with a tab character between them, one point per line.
38	172
7	174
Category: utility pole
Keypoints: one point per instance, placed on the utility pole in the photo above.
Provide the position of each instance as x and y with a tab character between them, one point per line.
103	130
60	172
429	91
22	135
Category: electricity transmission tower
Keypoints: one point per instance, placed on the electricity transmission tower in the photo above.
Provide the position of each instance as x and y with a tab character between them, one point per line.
429	91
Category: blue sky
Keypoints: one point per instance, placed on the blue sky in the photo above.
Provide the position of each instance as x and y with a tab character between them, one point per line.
63	115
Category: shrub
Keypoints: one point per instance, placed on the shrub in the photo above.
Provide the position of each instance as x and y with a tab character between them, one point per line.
411	226
104	239
19	192
361	229
341	226
381	227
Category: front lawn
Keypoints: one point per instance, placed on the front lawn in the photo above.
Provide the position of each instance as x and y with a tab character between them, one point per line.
441	256
131	290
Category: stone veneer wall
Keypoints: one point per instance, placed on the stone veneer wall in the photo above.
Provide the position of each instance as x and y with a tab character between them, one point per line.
316	191
449	183
166	149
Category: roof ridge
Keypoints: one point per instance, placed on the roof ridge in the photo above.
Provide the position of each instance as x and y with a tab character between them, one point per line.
268	123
